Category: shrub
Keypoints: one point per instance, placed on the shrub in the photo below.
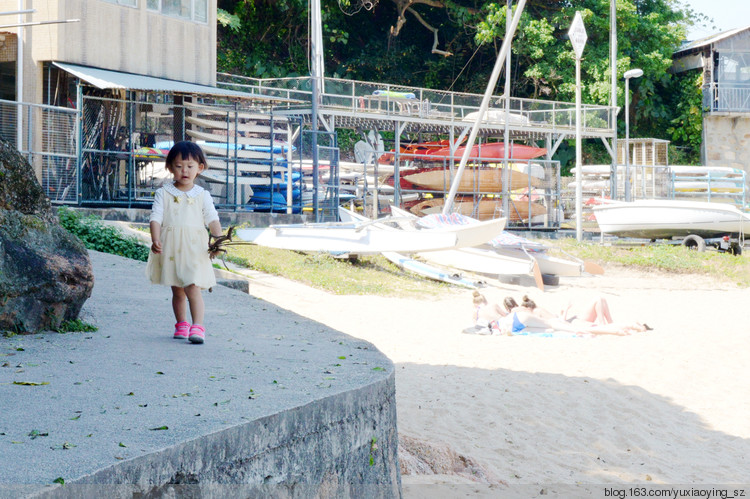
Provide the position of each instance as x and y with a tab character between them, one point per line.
99	237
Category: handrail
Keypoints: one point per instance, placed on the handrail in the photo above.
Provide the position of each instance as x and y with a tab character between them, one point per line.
344	94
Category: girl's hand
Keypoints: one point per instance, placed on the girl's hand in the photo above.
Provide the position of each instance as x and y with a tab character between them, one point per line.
156	246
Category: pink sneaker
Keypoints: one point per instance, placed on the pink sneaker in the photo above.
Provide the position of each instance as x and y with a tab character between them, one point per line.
197	333
181	330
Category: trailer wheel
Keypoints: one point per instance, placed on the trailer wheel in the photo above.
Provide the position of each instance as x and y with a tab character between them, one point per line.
735	249
693	242
551	279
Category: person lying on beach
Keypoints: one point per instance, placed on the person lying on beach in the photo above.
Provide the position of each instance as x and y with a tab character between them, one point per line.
484	313
596	312
515	318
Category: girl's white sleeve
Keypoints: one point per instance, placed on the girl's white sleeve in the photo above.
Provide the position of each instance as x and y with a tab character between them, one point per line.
209	210
157	209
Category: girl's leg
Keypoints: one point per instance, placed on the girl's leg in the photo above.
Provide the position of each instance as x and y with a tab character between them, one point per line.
179	305
597	312
602	311
197	308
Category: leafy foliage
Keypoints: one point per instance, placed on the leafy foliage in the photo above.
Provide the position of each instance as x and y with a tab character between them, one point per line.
687	126
273	41
97	236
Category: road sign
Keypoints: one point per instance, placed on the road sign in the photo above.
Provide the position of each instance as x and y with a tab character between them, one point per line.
577	35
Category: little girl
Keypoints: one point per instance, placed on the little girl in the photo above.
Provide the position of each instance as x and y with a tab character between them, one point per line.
179	250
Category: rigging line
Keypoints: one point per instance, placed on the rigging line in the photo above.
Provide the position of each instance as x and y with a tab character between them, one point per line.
463	68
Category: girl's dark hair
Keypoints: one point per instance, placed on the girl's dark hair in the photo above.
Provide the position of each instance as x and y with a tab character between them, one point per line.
186	150
528	302
509	303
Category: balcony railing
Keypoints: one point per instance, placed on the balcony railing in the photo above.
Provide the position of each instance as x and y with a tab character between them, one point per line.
358	97
726	98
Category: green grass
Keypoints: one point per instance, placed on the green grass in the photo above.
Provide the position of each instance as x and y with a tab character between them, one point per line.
374	275
76	326
367	275
662	257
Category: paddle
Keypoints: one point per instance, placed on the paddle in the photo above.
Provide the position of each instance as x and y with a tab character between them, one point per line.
593	268
537	275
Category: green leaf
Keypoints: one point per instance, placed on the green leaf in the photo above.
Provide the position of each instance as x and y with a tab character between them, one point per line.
122	444
158	428
59	480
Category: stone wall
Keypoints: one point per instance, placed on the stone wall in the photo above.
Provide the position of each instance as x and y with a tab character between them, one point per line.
727	140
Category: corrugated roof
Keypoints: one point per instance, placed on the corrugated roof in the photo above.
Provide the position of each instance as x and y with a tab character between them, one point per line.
709	40
105	78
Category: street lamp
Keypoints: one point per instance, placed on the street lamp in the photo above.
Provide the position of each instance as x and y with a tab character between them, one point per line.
633	73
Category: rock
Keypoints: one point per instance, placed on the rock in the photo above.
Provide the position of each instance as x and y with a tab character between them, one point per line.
45	272
418	457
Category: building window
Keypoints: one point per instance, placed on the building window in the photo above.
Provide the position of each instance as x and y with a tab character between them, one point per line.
197	10
129	3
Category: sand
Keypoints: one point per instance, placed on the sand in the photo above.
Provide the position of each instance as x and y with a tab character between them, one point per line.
493	415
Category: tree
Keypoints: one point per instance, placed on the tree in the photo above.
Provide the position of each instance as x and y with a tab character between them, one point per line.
383	44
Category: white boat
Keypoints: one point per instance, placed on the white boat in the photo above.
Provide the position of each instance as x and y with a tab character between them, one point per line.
366	238
467	259
664	219
506	255
481	261
497	116
429	271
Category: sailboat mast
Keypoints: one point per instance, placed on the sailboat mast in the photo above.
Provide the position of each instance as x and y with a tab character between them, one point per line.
316	79
504	49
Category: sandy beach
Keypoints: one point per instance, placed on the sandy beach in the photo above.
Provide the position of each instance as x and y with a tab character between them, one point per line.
485	415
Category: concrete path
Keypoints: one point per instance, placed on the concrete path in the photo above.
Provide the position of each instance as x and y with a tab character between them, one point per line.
78	406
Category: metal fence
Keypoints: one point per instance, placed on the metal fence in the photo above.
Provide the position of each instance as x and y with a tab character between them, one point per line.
47	137
111	152
250	157
358	97
726	98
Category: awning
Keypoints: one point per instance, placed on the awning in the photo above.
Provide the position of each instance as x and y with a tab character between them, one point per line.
104	78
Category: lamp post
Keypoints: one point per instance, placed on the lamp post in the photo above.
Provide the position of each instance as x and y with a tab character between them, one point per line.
633	73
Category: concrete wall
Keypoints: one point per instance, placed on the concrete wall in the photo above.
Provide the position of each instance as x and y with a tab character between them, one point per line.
115	37
727	140
132	40
323	449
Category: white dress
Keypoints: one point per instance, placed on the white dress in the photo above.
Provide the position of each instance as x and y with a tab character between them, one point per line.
184	259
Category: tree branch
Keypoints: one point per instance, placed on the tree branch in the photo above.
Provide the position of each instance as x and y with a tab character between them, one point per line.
402	5
434	30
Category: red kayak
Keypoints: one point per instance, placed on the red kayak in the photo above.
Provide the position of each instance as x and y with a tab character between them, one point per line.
414	151
494	151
